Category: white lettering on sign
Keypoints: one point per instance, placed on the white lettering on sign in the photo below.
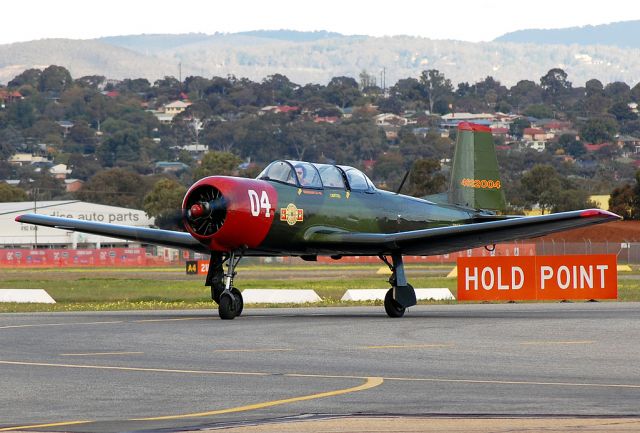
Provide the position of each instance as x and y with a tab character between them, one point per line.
576	277
488	279
258	203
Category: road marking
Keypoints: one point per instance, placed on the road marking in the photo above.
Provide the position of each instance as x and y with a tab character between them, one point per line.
142	369
543	343
512	382
252	350
36	325
171	320
407	346
101	353
323	376
370	382
55	424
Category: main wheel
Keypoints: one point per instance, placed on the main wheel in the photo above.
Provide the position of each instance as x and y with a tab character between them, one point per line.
239	300
227	307
392	308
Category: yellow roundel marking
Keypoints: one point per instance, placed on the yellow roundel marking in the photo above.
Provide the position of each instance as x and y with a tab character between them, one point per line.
291	214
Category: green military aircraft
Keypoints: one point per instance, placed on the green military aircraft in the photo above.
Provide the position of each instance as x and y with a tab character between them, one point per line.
296	208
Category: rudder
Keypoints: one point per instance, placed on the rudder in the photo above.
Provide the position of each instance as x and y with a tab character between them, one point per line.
475	177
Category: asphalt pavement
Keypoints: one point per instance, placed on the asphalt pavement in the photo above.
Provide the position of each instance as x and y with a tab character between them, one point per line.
188	370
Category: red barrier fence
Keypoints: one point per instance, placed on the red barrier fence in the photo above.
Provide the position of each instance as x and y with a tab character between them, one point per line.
137	256
68	257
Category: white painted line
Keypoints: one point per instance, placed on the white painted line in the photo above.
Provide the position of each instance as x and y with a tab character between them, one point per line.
378	294
26	296
279	296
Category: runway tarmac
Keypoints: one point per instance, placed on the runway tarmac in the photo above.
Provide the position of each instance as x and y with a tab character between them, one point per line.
188	370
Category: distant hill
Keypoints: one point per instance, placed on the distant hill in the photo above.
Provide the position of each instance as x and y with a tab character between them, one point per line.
622	34
316	57
292	35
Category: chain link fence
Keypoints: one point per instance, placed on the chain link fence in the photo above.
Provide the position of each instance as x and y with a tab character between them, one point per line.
627	252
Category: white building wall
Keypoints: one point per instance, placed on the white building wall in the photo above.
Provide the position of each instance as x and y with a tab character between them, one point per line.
17	234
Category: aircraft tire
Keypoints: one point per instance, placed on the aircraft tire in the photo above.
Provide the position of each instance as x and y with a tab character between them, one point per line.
226	307
239	300
392	308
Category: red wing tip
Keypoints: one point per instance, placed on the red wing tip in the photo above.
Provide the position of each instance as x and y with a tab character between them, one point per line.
18	218
598	212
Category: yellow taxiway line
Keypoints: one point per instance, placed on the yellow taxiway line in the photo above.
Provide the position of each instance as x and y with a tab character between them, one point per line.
407	346
142	369
252	350
370	382
53	424
550	343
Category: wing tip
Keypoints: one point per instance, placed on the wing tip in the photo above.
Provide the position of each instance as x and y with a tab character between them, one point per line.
589	213
19	218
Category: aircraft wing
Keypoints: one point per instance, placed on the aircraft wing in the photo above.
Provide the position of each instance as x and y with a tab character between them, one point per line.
442	240
165	238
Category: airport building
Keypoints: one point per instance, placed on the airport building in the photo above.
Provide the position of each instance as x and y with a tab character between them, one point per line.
18	235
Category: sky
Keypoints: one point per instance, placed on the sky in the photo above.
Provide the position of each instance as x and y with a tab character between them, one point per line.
467	20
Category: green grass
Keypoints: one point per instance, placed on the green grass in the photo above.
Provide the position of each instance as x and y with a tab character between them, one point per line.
82	290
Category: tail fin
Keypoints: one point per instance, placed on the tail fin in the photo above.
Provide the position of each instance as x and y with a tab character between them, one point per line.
475	178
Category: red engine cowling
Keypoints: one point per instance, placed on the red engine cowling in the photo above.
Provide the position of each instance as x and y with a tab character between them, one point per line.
228	213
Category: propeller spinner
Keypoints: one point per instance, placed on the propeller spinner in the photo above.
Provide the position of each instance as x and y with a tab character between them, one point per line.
206	210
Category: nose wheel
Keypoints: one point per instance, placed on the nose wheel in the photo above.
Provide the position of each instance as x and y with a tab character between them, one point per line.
231	304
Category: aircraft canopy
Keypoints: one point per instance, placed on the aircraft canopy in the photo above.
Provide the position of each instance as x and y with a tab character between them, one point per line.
319	176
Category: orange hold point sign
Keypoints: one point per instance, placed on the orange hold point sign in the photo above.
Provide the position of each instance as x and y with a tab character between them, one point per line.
537	278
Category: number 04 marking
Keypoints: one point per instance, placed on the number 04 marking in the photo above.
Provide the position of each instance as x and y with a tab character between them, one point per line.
259	203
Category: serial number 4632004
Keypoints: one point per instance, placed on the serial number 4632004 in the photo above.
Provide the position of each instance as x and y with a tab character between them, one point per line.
481	183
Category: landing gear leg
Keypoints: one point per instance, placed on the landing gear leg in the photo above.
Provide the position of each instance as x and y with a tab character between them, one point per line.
231	302
215	276
401	294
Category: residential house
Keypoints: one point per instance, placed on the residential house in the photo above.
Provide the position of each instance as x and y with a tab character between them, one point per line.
21	159
60	171
422	131
277	109
500	132
194	148
73	185
326	119
535	134
8	96
170	166
176	107
167	112
66	126
595	147
628	142
451	120
390	119
536	145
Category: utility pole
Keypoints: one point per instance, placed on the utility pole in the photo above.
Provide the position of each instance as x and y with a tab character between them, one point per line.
383	81
35	210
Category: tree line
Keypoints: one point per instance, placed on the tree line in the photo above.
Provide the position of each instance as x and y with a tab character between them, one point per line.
115	140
